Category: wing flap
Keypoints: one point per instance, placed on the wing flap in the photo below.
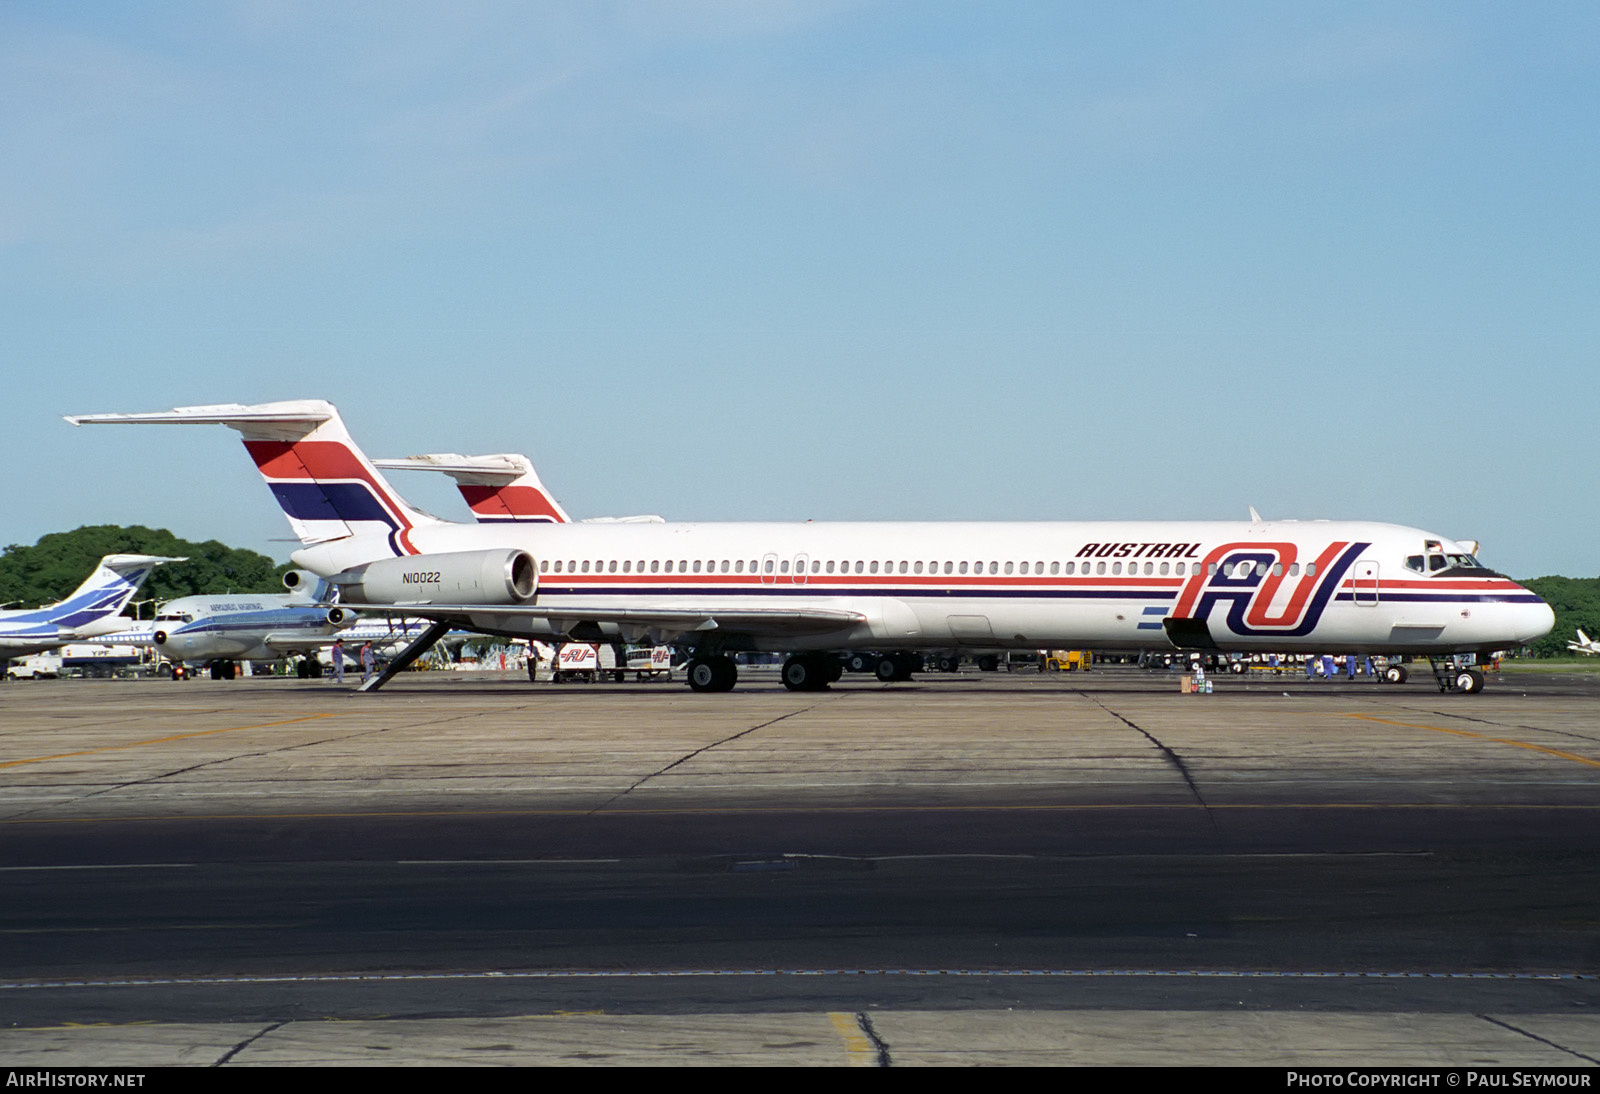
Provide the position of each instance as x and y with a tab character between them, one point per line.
286	641
696	619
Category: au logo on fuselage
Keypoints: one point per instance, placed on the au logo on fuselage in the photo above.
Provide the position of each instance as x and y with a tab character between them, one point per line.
1250	578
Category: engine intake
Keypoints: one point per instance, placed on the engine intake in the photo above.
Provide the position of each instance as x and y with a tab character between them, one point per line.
460	577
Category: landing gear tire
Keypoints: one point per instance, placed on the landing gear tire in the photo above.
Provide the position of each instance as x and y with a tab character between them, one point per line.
1395	674
1469	681
862	662
1236	667
949	664
895	668
717	673
988	663
805	674
303	669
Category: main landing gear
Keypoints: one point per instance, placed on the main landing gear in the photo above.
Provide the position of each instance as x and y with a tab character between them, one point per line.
804	671
897	667
889	668
811	671
715	672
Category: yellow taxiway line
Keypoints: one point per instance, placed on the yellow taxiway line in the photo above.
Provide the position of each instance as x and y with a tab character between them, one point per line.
1482	737
159	740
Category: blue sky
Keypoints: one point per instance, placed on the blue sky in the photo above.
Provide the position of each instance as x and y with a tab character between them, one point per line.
729	261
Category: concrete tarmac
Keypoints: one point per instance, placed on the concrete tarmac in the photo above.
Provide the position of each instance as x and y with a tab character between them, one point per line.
972	868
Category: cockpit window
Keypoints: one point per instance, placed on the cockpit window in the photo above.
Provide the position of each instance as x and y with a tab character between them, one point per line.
1436	562
1414	562
1464	561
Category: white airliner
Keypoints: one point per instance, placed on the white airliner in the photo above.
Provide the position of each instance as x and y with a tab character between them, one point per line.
93	610
814	590
1584	644
217	631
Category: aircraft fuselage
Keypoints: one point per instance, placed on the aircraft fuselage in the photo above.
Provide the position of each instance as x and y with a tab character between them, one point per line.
1275	585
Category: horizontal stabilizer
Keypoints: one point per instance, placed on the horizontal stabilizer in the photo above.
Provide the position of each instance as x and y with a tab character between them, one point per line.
282	421
481	470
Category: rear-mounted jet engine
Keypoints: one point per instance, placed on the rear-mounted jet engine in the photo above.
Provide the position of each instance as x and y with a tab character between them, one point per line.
463	577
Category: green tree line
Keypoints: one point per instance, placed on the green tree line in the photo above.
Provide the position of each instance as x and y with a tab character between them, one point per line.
58	563
1576	602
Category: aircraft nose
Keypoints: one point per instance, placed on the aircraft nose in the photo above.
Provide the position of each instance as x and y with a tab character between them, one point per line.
1532	620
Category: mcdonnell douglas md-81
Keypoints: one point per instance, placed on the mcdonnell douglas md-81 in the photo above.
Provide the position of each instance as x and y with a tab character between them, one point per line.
815	590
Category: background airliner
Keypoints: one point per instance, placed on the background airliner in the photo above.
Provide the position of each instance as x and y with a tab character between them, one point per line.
93	610
815	589
217	632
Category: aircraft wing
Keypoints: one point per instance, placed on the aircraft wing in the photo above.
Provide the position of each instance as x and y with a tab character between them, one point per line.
289	641
752	621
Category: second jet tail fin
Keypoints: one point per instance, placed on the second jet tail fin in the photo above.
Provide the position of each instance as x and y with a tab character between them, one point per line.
499	489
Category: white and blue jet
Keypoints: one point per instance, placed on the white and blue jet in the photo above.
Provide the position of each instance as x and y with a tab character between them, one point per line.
217	631
92	611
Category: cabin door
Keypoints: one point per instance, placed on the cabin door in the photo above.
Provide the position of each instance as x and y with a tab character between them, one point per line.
1366	583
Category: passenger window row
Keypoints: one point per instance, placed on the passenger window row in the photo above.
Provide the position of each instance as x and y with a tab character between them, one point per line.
771	565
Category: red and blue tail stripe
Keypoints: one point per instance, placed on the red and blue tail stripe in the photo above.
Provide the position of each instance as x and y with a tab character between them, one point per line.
510	504
328	491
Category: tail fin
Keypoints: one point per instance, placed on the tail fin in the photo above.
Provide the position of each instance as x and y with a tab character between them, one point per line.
325	484
501	489
105	592
1585	639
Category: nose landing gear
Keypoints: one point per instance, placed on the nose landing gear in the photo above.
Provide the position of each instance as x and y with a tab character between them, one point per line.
1453	677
